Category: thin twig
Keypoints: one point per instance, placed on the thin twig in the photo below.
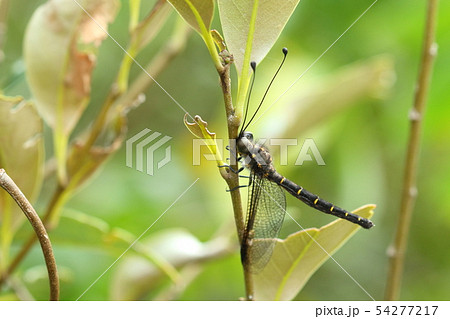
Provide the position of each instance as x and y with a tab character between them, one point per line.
409	192
159	62
8	185
55	202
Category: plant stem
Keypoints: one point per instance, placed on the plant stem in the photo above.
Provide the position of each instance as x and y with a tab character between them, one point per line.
8	184
60	142
231	178
54	204
206	36
159	62
409	192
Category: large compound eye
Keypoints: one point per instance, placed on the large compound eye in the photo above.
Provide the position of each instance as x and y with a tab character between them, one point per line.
249	136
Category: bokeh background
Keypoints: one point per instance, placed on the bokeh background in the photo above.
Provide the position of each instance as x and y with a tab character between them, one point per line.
360	128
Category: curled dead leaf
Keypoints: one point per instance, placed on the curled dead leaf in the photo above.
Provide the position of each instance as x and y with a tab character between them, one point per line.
199	128
60	53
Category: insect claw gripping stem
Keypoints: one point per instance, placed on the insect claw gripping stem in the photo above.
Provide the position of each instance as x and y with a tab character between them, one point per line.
231	168
234	188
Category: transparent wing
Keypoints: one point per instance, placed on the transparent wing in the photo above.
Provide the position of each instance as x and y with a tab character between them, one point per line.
265	215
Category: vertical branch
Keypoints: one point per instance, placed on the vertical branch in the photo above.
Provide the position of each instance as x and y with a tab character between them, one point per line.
233	122
8	184
409	192
232	179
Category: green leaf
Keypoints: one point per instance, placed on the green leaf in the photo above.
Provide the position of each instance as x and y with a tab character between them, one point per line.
195	12
60	48
60	54
21	154
236	20
295	259
198	14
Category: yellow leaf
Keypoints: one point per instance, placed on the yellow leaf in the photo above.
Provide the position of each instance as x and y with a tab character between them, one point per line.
21	152
200	129
296	258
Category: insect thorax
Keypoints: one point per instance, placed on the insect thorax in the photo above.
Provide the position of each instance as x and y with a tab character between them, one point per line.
257	157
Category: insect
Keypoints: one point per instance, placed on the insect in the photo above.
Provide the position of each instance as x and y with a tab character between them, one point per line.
267	202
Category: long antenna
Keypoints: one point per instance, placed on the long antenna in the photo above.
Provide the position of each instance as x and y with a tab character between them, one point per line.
253	65
285	52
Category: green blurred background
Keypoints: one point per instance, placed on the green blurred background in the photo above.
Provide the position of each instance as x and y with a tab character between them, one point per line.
362	144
